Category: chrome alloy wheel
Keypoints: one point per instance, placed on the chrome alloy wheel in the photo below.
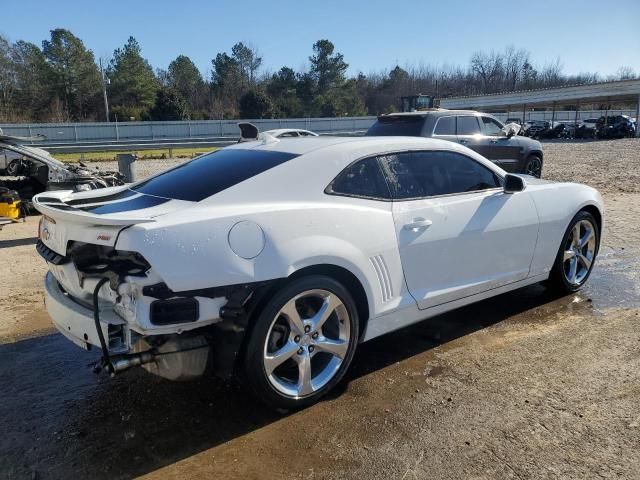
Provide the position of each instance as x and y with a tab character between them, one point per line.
306	343
534	167
579	252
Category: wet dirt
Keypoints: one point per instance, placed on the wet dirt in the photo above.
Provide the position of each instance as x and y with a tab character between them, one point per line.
524	385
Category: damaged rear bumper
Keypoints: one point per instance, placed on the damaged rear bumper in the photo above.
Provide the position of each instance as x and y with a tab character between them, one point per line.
75	321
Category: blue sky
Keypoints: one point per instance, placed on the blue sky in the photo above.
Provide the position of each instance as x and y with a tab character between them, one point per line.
372	35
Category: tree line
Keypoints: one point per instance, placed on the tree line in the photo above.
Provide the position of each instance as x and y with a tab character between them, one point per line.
61	81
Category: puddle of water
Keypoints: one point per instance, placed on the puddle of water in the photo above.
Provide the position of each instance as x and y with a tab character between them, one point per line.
614	281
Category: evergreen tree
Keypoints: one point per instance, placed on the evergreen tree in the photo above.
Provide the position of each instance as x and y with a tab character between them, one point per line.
169	105
7	83
31	74
73	74
255	104
133	85
185	78
281	87
327	68
248	62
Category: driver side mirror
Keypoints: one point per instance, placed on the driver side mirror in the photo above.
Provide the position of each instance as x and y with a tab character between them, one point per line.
513	183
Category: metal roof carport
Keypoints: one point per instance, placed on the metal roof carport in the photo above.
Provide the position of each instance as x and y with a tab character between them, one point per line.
623	91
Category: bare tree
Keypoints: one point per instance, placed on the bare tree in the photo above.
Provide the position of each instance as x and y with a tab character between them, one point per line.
514	63
625	73
489	67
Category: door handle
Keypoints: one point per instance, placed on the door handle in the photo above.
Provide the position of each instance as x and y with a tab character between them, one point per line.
463	141
417	224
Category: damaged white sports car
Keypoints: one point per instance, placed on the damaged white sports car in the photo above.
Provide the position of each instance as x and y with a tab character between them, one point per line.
275	258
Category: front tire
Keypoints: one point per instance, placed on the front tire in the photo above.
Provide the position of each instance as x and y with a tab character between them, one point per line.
533	166
576	255
302	342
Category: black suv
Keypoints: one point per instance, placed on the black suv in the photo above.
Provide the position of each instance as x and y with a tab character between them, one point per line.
617	126
478	131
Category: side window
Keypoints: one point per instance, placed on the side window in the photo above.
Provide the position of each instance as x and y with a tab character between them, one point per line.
491	127
445	126
428	174
288	134
361	179
468	125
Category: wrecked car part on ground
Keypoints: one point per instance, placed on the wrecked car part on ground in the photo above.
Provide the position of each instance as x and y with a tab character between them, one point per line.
33	170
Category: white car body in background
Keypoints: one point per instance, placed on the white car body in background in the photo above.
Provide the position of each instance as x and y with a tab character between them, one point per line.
290	132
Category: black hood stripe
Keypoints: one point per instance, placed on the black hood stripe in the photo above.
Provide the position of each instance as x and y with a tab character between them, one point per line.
138	203
106	198
49	200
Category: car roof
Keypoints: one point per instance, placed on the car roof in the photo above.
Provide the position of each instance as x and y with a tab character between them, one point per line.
436	112
303	145
280	131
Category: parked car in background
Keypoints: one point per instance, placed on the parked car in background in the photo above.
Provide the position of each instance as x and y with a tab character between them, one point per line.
290	132
616	126
480	132
586	129
555	130
533	127
34	170
275	259
249	132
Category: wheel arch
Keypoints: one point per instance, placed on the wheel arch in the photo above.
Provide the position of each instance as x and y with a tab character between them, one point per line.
597	214
262	295
349	280
537	153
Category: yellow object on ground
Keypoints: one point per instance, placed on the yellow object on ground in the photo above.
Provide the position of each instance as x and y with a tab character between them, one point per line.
10	210
10	205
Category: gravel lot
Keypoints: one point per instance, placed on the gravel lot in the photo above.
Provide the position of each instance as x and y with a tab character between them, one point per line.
525	385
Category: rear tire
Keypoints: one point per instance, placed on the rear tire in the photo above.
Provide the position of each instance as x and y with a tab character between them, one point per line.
576	255
302	342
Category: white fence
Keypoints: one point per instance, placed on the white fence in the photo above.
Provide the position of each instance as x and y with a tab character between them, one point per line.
120	131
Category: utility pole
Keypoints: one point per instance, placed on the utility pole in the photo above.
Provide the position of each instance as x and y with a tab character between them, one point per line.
105	81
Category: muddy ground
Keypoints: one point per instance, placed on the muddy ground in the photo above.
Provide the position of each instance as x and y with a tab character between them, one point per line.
525	385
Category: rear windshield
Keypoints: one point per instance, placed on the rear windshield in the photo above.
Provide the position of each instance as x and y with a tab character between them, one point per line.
399	125
207	175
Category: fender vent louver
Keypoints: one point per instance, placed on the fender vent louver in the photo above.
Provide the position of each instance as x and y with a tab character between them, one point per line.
386	288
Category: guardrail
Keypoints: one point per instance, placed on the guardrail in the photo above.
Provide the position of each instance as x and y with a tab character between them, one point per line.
65	133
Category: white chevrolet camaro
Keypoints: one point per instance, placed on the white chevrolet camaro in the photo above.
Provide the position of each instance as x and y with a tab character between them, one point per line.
275	258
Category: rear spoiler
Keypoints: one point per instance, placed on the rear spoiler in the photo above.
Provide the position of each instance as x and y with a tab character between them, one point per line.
52	205
248	132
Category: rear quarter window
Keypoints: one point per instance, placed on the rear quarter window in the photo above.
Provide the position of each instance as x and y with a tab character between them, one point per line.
210	174
361	179
397	125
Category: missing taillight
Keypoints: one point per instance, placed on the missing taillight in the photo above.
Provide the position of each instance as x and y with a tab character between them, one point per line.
174	310
99	260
